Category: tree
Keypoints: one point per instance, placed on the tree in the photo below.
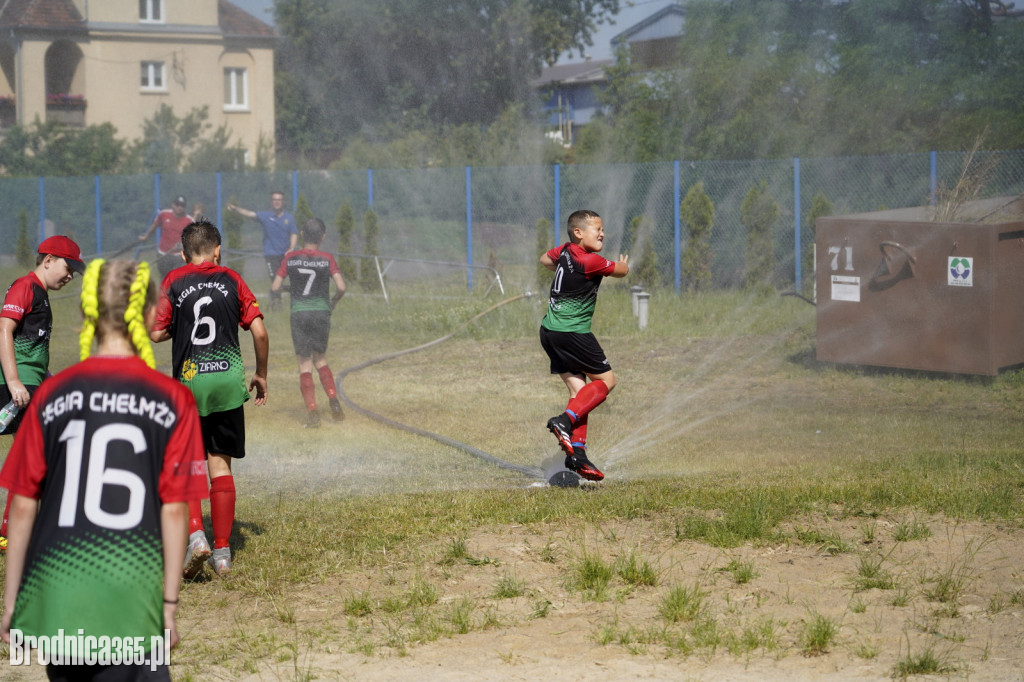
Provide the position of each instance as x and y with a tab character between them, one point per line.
820	207
56	149
759	212
646	272
371	232
543	231
379	68
172	144
302	213
698	214
231	227
23	250
345	221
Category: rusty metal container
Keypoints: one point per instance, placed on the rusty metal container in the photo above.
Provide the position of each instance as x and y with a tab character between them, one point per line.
900	289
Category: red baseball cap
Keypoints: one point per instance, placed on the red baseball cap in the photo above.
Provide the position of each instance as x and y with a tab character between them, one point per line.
63	247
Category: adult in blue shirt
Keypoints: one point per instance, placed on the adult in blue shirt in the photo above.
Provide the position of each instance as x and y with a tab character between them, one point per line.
279	235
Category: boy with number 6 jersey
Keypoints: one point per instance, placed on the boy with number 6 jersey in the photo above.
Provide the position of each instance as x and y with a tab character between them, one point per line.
311	272
107	457
201	307
565	334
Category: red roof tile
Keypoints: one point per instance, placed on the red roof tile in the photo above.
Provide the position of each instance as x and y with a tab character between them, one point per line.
40	14
237	22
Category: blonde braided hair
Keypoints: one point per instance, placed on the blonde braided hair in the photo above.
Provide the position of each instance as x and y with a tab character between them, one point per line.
115	297
90	307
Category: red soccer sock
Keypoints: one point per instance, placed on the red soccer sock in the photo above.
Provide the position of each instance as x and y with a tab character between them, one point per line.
589	397
7	511
579	433
195	516
327	381
222	509
308	390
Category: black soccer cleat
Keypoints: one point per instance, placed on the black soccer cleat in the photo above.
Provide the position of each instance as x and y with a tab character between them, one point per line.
312	420
336	410
579	463
561	426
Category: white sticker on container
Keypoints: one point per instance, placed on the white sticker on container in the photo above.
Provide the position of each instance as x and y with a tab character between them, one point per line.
845	288
961	272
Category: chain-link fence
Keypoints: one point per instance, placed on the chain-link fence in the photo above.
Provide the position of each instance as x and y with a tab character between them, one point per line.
491	215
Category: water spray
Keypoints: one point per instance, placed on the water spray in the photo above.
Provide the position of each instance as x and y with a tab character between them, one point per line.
532	472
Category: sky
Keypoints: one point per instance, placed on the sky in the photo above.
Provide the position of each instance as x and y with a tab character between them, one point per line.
631	12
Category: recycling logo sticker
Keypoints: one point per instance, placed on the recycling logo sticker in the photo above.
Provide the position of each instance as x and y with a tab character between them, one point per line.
961	272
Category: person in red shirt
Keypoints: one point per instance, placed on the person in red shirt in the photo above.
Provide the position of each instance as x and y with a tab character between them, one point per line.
172	222
25	325
107	458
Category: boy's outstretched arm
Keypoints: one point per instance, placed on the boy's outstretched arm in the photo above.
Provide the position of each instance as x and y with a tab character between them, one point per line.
276	284
621	266
546	261
261	346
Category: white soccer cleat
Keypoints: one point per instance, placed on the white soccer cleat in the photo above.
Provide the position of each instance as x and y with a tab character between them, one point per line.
197	554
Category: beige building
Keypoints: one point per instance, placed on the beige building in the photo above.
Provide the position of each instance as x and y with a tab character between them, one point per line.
85	62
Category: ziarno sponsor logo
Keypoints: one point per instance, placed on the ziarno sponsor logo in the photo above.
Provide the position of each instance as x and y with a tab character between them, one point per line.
213	366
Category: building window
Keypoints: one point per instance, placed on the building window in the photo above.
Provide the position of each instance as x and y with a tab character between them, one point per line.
151	11
236	89
154	76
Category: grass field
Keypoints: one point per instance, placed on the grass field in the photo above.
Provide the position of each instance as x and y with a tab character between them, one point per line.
764	516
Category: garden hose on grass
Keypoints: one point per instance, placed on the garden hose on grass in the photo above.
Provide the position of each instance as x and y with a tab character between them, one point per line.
532	472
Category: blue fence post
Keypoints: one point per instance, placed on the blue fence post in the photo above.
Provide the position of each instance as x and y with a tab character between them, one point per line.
934	177
469	225
99	222
796	221
558	201
42	209
369	188
676	228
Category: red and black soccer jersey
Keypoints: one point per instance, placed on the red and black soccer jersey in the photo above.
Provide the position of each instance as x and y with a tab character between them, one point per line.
573	296
28	304
310	272
104	444
202	306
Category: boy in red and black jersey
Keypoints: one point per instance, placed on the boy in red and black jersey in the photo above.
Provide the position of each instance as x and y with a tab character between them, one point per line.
108	455
25	326
311	272
565	334
201	307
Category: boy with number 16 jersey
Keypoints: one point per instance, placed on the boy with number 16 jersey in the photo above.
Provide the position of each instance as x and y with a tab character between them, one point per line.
201	307
106	458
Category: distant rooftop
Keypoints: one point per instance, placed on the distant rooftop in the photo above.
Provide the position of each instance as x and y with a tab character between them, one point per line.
580	73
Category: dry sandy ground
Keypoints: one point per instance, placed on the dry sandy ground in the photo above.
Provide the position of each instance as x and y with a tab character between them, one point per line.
978	634
550	630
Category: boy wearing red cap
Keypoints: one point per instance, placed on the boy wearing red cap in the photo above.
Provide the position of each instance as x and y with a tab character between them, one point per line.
25	325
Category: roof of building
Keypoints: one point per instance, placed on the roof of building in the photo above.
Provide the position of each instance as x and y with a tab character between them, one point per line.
638	29
40	14
591	71
63	15
235	21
